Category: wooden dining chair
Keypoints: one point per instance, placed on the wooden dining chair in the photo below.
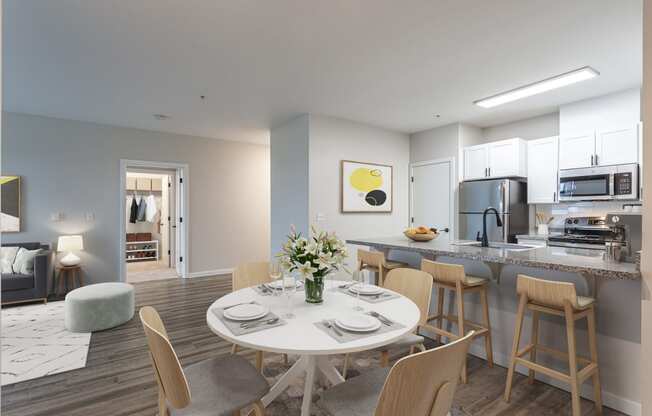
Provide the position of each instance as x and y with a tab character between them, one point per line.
217	386
416	286
247	275
453	277
375	262
421	384
560	299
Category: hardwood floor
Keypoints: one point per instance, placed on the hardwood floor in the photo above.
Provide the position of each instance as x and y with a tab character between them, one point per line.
118	378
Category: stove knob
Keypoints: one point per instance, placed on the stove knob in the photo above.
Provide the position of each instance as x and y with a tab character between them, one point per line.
576	221
569	221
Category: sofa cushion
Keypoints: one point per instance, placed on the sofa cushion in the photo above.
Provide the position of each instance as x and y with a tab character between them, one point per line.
15	281
7	258
24	263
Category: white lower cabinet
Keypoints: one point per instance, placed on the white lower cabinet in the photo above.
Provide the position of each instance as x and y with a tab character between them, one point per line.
542	170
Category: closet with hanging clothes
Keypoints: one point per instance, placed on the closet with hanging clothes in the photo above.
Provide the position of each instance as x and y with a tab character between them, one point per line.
144	202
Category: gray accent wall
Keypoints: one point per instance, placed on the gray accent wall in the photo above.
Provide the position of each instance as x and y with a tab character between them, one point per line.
289	145
73	168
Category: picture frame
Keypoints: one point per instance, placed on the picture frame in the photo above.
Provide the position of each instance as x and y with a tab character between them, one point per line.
10	193
366	187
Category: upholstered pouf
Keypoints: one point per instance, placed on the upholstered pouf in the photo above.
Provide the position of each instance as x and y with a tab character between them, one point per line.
100	306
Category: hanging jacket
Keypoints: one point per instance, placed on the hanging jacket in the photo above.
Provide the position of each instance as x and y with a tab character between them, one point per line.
142	209
152	209
133	211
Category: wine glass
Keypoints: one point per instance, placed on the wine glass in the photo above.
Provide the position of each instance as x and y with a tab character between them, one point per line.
359	279
289	289
275	273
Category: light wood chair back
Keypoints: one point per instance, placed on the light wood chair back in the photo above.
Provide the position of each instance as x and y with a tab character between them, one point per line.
250	274
423	384
546	292
167	368
371	258
444	272
414	284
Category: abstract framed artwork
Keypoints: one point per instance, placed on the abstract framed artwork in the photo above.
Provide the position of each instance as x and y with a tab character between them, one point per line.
366	187
10	204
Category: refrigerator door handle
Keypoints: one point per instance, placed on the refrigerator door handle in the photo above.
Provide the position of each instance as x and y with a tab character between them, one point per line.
502	197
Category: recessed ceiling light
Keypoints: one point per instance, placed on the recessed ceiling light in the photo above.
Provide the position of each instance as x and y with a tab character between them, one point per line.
161	117
539	87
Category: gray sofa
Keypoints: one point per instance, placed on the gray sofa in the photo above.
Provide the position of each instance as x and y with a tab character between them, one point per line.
17	288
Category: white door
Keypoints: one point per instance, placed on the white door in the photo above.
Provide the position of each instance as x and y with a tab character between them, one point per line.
476	159
504	158
180	223
577	151
542	170
432	196
616	146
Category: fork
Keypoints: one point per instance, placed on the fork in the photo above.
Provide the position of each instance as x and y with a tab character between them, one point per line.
329	325
381	318
238	304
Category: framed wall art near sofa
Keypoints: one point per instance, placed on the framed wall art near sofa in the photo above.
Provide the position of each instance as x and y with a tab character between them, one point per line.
366	187
10	204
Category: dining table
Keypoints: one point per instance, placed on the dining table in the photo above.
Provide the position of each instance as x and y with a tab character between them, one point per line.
302	337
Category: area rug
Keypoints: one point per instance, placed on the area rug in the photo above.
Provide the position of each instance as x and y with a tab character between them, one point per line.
35	343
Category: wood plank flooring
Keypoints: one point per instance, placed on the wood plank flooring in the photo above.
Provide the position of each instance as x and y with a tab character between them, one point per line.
118	378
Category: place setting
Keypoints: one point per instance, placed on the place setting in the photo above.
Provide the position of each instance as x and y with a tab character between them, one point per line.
356	325
361	290
248	317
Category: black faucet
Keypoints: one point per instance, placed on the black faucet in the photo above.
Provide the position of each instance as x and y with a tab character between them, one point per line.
499	222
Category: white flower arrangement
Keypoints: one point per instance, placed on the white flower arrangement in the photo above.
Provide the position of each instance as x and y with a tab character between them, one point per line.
312	257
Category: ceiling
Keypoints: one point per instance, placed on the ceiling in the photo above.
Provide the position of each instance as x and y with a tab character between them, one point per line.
394	64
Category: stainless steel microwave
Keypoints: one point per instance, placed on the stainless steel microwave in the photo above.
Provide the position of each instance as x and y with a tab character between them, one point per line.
600	183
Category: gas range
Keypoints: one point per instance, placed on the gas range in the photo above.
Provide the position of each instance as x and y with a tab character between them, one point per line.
585	232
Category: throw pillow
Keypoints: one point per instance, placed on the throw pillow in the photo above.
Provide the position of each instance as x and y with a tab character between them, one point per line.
24	263
7	257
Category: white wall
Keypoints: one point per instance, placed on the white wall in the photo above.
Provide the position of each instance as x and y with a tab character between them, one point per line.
289	145
531	128
73	168
333	140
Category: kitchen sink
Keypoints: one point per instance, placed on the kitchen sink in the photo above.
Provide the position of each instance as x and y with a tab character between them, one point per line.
502	246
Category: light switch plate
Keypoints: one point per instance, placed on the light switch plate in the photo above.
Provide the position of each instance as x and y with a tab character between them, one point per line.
90	216
56	216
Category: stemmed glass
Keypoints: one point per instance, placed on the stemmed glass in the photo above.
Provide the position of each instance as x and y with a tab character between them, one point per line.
289	289
359	279
275	273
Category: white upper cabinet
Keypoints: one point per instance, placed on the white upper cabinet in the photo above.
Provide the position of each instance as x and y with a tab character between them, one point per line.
507	158
617	145
542	170
476	159
577	151
496	160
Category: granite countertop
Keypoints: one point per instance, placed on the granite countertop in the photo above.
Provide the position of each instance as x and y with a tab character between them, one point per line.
550	258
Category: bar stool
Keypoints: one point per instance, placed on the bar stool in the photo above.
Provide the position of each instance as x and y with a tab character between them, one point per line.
556	298
453	277
374	261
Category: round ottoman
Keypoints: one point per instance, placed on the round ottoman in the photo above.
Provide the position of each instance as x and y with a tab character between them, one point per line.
99	306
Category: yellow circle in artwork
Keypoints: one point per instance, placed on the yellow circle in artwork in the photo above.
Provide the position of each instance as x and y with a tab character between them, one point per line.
366	180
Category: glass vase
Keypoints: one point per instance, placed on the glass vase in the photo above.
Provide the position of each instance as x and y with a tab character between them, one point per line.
314	289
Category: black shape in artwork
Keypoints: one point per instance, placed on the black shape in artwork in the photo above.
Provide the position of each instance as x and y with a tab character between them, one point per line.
376	198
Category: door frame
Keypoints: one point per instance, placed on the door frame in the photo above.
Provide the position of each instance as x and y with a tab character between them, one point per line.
453	178
182	209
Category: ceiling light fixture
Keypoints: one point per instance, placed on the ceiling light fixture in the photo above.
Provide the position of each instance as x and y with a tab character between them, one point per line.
539	87
161	117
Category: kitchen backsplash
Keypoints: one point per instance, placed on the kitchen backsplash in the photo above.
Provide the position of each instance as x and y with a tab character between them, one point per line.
562	211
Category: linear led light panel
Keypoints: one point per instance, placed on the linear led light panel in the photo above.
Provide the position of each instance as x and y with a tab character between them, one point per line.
539	87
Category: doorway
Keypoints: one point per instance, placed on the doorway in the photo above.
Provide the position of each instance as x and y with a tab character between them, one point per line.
432	195
154	230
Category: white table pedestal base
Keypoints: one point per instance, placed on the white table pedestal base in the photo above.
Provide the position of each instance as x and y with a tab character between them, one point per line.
310	365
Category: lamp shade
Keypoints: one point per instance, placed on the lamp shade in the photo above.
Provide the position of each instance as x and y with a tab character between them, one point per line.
70	243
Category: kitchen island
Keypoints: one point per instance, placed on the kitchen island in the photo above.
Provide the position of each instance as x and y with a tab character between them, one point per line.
616	286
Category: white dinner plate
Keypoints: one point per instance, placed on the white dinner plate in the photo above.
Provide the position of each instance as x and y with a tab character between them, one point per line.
278	284
366	289
246	312
358	323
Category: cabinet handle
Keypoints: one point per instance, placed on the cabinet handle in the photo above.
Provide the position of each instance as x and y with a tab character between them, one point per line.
489	169
592	156
554	196
596	160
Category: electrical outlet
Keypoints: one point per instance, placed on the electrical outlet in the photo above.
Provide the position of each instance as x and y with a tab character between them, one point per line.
90	216
321	217
56	216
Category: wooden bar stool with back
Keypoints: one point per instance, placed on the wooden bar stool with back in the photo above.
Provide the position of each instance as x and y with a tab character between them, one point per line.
375	261
560	299
453	277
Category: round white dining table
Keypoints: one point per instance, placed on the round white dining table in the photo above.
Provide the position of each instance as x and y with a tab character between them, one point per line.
299	336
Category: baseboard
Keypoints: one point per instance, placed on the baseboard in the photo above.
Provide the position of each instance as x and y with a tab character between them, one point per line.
622	404
210	273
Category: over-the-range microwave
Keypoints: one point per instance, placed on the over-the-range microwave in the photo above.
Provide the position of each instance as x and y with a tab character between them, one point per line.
600	183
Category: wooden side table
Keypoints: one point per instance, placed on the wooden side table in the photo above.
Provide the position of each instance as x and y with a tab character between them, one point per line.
67	277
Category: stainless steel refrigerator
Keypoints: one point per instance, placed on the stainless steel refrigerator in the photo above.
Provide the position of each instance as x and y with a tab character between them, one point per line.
507	196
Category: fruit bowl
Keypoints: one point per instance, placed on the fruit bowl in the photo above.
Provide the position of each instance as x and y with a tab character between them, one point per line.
421	237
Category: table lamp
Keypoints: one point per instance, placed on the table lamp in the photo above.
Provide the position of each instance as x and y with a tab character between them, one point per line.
70	243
